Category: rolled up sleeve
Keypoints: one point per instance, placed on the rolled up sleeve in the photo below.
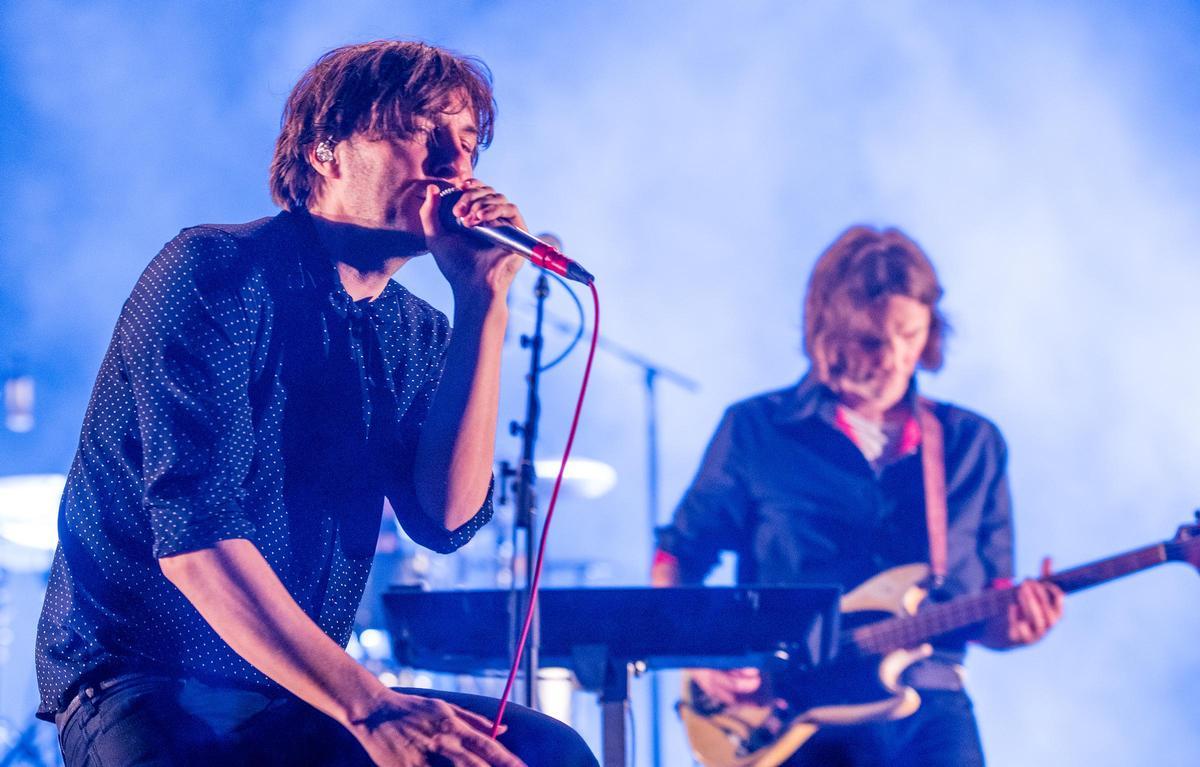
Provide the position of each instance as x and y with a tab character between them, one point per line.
434	335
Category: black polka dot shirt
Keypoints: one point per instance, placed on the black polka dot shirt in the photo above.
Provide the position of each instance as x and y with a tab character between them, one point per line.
244	395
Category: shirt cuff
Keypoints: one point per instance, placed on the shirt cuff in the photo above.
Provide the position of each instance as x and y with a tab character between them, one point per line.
173	535
428	533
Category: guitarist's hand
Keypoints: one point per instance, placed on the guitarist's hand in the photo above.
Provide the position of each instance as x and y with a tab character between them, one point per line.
1038	607
732	687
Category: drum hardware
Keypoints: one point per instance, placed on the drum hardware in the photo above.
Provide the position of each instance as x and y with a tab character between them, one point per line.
18	395
584	478
28	537
29	521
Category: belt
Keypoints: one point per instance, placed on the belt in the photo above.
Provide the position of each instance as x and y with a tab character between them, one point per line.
88	690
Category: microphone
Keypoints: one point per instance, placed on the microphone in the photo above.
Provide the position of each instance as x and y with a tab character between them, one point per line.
518	240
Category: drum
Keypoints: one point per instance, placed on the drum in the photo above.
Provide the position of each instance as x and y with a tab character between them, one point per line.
29	521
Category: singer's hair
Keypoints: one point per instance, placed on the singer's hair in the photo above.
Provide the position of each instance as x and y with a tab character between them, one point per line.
847	291
376	89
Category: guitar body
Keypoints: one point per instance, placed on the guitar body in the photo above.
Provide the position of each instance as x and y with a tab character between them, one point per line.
850	691
886	637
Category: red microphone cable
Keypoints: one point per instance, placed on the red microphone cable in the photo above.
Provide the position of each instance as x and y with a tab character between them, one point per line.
537	568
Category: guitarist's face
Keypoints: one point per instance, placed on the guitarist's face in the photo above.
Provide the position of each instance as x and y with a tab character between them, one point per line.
888	355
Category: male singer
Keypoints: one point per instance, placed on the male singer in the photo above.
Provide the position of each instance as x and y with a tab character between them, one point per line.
267	385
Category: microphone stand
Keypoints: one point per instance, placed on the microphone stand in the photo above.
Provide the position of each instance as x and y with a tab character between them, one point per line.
652	373
526	500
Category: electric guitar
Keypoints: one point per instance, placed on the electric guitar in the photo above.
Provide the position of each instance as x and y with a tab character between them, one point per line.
863	682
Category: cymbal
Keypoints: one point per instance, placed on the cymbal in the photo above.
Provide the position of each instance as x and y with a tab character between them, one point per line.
584	477
29	520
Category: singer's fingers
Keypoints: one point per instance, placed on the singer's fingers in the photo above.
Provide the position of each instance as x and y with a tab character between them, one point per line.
477	721
463	207
428	212
481	204
1047	568
470	210
473	213
493	213
469	195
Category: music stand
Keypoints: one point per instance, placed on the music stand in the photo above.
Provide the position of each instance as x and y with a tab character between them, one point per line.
599	632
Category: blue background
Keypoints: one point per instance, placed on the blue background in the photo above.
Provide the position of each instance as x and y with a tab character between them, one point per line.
697	156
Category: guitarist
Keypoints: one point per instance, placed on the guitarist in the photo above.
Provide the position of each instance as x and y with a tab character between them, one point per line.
822	483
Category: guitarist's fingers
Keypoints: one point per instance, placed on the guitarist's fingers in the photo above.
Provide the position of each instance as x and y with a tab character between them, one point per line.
1057	598
1032	599
1042	604
1019	630
728	686
1056	595
1055	601
745	679
1046	568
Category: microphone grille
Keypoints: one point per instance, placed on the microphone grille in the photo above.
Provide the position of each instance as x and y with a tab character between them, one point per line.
449	197
552	239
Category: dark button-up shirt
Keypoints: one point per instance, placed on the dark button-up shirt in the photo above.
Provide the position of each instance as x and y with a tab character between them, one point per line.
787	491
244	395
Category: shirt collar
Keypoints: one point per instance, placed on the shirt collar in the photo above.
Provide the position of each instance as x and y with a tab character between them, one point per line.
315	268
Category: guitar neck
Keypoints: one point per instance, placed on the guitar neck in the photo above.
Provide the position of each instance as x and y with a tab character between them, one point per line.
1105	570
936	619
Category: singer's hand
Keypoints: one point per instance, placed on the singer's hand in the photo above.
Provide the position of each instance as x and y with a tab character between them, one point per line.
472	269
406	730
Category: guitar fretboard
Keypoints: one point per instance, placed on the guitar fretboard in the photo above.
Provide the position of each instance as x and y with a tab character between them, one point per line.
937	619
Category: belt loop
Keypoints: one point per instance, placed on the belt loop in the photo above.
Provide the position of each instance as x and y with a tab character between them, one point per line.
87	698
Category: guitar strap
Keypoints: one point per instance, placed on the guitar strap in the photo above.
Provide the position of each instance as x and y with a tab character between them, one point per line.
933	470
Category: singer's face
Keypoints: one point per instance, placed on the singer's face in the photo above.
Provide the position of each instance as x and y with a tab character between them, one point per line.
380	182
894	352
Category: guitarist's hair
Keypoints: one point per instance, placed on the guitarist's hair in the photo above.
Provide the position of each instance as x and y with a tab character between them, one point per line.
851	283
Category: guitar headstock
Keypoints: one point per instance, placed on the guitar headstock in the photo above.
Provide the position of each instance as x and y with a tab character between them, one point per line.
1185	546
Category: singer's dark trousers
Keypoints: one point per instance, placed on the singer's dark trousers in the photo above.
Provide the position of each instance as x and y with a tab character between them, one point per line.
146	720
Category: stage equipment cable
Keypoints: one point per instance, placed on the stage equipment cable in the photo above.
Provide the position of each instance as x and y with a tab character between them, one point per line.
537	568
578	331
